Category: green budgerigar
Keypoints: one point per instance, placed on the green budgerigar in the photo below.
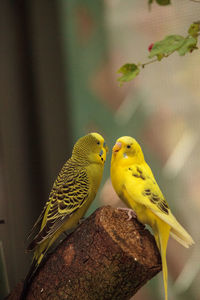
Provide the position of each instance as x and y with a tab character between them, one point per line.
71	195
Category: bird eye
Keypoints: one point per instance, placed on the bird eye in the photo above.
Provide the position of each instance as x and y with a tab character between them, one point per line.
128	146
98	143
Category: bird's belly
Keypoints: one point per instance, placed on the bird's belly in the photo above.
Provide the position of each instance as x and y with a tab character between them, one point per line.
144	214
73	220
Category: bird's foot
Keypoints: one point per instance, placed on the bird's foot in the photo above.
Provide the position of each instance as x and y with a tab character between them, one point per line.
130	212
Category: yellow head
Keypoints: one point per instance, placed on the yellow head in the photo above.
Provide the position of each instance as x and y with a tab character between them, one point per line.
90	148
127	151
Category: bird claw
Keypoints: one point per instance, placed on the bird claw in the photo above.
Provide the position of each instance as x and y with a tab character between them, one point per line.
130	212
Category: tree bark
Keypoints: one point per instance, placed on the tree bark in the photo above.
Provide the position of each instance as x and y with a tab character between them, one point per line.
106	257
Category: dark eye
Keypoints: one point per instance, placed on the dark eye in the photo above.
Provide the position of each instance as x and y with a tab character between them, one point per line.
128	146
98	143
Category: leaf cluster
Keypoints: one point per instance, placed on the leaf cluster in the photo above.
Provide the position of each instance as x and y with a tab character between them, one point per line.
162	49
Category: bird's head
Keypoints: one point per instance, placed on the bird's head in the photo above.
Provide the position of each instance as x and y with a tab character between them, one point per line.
92	148
127	150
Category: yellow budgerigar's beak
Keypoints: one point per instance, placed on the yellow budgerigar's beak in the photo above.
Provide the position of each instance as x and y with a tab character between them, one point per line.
117	147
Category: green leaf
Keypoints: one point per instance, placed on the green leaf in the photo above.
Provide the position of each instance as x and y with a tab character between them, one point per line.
188	45
163	2
167	46
194	29
129	71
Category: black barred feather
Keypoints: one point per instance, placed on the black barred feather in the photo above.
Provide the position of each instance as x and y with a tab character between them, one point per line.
38	223
68	194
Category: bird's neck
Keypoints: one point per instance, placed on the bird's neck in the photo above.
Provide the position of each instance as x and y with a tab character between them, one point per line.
125	161
80	160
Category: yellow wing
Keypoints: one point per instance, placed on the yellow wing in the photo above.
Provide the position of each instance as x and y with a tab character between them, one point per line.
68	195
142	187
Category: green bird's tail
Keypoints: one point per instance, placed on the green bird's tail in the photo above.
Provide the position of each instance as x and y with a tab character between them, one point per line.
29	277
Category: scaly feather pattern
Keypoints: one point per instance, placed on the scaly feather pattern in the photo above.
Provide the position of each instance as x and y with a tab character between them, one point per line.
72	193
135	184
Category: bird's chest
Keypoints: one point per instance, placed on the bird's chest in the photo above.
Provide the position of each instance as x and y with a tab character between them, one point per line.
95	173
117	179
118	182
144	215
124	195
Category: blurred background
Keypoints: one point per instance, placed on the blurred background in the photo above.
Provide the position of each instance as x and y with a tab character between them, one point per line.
58	81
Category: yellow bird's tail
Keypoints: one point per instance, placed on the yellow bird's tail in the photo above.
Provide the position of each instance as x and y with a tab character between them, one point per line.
181	235
168	225
163	231
177	231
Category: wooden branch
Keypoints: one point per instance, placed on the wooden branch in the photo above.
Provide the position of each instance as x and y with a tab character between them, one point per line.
106	257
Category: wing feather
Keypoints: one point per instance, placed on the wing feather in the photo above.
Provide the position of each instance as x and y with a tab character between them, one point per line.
66	197
36	227
142	187
150	195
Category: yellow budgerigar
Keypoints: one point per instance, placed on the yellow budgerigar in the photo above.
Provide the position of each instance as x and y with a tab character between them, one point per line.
135	184
72	193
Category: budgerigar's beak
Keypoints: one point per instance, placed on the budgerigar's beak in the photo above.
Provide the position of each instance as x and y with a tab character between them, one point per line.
117	147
